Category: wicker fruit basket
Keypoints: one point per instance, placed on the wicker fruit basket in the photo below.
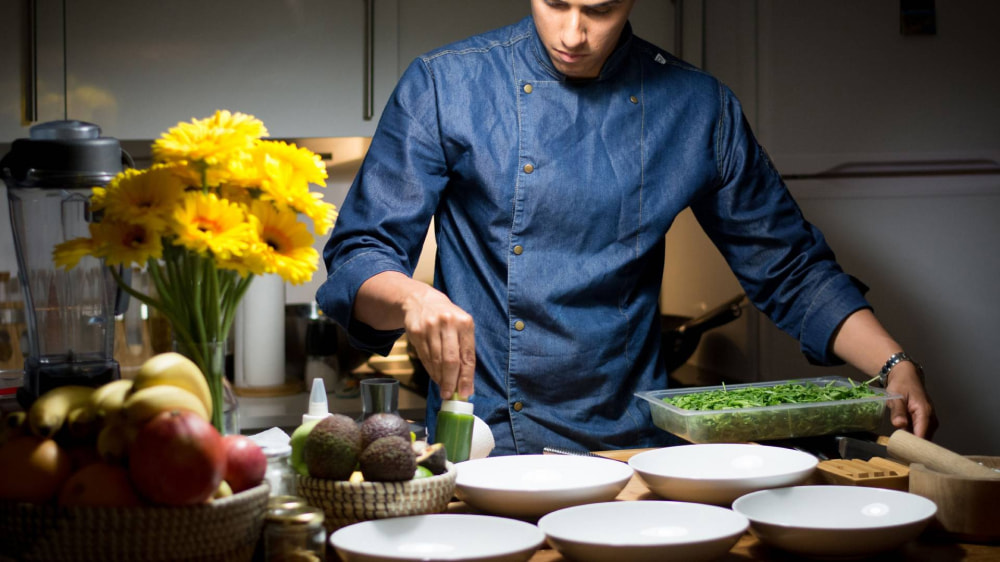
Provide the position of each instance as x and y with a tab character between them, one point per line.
225	529
344	503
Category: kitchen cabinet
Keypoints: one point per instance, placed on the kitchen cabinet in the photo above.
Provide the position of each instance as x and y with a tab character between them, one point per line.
19	88
137	68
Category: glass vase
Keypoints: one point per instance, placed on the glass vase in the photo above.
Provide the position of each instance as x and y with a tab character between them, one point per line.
211	359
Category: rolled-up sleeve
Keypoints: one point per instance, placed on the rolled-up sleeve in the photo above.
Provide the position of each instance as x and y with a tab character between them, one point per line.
383	221
782	261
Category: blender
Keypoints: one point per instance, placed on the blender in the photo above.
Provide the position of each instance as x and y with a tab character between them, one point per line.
70	313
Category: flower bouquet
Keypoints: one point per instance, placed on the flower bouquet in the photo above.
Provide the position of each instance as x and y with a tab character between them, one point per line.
218	206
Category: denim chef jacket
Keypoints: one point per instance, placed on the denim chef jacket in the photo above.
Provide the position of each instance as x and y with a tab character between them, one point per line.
551	199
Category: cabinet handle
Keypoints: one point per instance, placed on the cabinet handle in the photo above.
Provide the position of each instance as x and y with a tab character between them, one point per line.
31	100
369	83
903	168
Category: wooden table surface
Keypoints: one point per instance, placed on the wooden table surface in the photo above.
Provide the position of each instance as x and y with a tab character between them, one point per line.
928	547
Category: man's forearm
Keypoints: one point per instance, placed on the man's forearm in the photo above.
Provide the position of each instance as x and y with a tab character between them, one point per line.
379	302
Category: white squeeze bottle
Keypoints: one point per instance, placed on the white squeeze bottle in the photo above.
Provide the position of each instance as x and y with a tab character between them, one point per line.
318	409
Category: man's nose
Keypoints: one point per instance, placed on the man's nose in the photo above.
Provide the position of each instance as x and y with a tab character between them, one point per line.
574	30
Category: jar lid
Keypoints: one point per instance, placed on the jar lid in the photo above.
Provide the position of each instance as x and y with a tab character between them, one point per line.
285	502
300	515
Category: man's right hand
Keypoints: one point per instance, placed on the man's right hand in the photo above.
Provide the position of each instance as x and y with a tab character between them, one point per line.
442	334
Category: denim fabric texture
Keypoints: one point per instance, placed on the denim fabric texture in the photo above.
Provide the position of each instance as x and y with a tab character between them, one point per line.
551	199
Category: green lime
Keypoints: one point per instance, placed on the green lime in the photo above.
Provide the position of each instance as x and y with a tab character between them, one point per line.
422	472
297	442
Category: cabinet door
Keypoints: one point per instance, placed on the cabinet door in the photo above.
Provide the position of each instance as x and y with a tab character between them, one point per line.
138	67
19	88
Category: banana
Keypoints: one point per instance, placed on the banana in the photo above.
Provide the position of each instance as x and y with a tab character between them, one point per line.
174	369
48	413
112	443
143	404
107	399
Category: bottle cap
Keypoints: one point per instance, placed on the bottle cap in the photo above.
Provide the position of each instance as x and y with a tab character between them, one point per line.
457	405
318	406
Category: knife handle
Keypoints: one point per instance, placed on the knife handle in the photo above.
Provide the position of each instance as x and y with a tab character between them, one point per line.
912	449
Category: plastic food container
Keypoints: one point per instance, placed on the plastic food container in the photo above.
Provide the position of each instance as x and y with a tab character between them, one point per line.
738	425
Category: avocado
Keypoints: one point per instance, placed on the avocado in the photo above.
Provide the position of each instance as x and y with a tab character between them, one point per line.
332	447
433	458
388	459
383	424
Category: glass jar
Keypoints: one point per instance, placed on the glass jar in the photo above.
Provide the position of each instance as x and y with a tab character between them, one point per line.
296	533
279	472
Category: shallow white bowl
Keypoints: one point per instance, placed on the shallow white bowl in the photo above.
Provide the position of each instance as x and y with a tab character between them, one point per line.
438	537
529	486
835	520
641	531
718	473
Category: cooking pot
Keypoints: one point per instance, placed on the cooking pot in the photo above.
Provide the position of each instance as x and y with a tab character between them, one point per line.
681	334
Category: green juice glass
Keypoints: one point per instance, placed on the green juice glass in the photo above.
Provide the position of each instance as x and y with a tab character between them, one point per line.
454	429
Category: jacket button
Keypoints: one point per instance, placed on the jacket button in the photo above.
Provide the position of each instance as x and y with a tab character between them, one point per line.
518	249
528	88
519	325
528	168
633	99
518	406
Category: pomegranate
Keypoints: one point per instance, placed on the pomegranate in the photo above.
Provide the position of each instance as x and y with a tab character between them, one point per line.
177	458
245	462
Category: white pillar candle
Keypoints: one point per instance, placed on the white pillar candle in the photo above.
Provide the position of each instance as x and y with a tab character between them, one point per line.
260	334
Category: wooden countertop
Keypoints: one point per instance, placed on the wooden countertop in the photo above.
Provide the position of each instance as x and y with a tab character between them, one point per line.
927	548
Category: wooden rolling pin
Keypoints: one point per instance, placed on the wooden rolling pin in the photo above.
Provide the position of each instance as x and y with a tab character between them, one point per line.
912	449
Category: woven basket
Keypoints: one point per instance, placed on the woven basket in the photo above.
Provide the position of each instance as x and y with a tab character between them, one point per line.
344	503
225	529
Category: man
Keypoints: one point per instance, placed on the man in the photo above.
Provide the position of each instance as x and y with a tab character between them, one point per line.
554	154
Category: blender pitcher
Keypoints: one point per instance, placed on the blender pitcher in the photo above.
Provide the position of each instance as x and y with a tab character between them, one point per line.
70	312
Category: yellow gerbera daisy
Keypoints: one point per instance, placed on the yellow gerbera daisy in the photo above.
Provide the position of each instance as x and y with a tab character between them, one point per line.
125	243
97	196
146	196
286	247
205	223
207	142
321	213
69	253
305	163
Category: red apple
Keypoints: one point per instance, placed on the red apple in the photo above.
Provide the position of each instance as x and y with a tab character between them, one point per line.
245	462
177	458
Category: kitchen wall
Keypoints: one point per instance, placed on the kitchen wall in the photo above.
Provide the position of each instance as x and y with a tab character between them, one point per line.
829	85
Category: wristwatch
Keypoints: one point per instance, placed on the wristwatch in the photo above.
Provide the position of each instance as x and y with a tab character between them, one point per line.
895	359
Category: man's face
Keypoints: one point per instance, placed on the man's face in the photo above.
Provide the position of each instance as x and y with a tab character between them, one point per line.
580	35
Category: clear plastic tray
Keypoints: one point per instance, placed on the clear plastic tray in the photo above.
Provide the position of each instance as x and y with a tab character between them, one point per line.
738	425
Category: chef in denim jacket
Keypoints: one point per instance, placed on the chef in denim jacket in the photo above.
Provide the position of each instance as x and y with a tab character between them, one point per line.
554	154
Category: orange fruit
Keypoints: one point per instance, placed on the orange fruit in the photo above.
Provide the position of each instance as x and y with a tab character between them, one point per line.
32	469
99	484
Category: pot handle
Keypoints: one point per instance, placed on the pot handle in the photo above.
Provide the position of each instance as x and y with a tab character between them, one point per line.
718	316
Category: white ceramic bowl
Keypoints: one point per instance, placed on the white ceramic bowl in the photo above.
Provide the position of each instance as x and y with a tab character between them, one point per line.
835	521
641	531
529	486
438	537
718	473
